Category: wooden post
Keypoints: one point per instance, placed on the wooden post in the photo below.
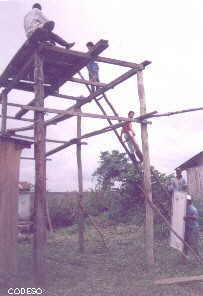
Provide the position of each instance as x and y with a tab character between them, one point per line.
4	112
39	243
81	221
149	227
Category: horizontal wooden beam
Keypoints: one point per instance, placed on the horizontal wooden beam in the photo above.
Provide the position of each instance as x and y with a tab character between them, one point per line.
88	135
177	112
179	280
31	158
55	94
22	119
83	81
75	113
47	140
116	62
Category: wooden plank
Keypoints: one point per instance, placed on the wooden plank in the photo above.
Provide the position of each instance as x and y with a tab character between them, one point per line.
179	280
81	218
149	224
31	158
81	98
116	62
83	81
98	48
25	86
22	119
40	234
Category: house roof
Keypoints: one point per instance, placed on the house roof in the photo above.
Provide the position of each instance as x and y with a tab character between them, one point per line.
192	162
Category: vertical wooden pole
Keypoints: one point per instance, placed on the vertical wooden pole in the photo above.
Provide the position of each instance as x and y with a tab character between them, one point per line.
3	112
39	244
81	222
149	227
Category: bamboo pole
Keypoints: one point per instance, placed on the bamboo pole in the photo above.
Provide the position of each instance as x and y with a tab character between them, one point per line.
149	227
4	99
39	243
81	220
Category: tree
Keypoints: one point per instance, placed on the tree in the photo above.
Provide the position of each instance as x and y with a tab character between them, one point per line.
115	168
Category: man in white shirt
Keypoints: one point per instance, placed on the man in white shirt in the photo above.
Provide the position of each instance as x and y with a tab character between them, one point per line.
35	20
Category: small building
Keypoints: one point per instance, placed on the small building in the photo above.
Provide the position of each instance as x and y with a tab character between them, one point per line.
194	171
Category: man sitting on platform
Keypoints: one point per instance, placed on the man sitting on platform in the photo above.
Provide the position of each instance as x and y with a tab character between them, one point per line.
35	20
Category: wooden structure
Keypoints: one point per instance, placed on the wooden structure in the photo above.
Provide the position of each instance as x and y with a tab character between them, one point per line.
42	70
10	150
194	170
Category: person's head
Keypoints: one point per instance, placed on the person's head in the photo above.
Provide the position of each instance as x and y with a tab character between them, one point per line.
178	173
37	5
89	45
131	114
189	199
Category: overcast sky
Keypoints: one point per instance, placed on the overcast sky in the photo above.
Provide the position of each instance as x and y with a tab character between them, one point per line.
168	33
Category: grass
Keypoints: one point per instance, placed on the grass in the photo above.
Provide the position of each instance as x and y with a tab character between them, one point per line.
119	271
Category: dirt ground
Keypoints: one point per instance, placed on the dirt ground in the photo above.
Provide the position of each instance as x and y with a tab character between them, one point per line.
119	270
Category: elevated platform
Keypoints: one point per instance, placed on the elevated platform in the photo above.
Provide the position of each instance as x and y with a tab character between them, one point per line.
60	65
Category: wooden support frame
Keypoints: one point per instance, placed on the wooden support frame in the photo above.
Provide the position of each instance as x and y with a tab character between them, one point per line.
81	218
149	223
39	243
42	90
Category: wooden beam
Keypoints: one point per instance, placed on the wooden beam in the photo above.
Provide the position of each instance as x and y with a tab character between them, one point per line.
178	112
116	62
40	234
81	218
75	113
179	280
32	158
26	85
22	119
149	224
47	140
20	129
83	81
4	99
85	136
67	97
